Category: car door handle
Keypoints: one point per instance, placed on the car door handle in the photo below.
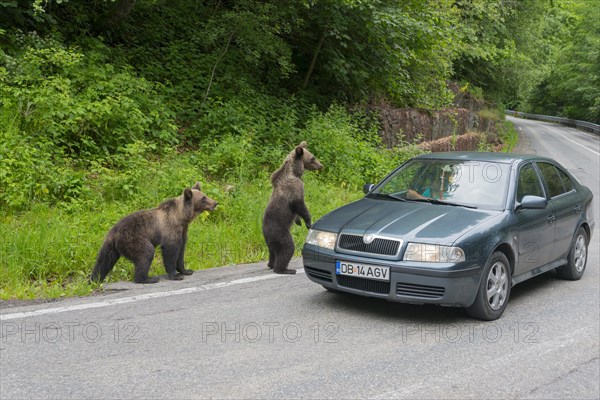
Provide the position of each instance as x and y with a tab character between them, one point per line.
577	208
551	219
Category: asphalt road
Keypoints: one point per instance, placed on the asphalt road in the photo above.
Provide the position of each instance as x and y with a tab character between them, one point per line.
243	332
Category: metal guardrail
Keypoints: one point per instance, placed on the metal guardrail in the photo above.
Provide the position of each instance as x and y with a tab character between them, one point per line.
588	126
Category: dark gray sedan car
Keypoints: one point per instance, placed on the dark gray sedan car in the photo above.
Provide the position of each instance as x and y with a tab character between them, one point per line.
456	229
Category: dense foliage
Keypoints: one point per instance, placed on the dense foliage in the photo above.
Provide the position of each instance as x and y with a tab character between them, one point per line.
108	106
571	88
505	45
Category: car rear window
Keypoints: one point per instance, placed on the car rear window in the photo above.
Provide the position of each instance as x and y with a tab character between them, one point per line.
566	181
557	181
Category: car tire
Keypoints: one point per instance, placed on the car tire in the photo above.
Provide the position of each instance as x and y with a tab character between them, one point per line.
494	289
577	258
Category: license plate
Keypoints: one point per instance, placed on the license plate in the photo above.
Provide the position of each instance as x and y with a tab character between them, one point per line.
376	272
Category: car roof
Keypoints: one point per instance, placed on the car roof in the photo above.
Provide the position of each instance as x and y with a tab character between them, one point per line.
483	156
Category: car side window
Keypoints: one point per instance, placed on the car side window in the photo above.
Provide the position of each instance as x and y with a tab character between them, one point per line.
529	183
552	178
566	181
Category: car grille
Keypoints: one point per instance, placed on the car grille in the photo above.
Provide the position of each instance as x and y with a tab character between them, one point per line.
421	291
318	273
367	285
381	246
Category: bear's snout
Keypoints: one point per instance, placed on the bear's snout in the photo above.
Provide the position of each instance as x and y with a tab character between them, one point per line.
315	165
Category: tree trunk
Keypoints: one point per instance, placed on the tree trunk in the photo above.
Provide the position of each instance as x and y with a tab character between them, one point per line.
214	69
311	67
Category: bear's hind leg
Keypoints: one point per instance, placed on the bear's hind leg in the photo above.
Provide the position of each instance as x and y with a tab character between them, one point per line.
141	253
284	253
272	256
142	261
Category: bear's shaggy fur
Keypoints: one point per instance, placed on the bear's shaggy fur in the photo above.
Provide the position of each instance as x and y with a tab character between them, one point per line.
287	206
136	236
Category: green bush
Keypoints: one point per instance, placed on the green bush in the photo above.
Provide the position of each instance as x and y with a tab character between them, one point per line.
80	103
351	156
32	169
349	148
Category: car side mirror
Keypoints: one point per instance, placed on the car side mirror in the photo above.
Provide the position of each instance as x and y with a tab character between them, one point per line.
367	188
533	202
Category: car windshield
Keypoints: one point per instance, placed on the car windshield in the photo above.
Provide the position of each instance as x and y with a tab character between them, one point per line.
465	183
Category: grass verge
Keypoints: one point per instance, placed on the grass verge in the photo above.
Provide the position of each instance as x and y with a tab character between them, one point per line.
49	252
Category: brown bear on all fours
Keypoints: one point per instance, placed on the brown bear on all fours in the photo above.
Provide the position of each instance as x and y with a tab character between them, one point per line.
286	206
136	236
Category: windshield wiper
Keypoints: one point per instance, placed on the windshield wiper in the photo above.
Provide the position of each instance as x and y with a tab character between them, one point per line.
427	200
445	203
386	196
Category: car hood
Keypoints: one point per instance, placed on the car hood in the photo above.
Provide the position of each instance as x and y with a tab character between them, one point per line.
416	221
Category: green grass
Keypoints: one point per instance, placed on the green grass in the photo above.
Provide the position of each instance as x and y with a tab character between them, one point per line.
508	135
492	114
49	252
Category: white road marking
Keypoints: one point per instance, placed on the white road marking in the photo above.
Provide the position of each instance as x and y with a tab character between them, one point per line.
141	297
571	140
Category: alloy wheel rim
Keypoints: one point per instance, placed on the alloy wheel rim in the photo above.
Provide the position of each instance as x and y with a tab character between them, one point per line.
497	286
580	253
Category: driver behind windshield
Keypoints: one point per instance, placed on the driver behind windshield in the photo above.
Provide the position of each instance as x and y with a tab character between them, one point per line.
433	183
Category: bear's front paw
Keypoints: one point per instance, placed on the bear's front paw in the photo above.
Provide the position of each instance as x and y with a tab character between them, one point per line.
285	271
186	272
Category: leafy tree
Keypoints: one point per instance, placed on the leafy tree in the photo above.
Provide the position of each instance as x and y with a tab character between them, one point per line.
364	48
505	45
572	88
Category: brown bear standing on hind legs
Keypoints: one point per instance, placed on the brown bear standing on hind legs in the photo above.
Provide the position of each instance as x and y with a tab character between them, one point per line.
136	235
286	206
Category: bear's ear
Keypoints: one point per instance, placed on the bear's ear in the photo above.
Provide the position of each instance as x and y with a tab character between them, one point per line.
197	186
299	151
303	144
187	194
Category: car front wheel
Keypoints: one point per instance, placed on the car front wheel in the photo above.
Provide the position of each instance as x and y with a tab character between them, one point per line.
577	258
494	289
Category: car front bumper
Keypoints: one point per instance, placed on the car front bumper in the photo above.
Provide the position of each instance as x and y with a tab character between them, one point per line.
417	283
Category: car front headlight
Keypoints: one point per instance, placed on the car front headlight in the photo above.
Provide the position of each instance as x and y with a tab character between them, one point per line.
321	238
426	252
